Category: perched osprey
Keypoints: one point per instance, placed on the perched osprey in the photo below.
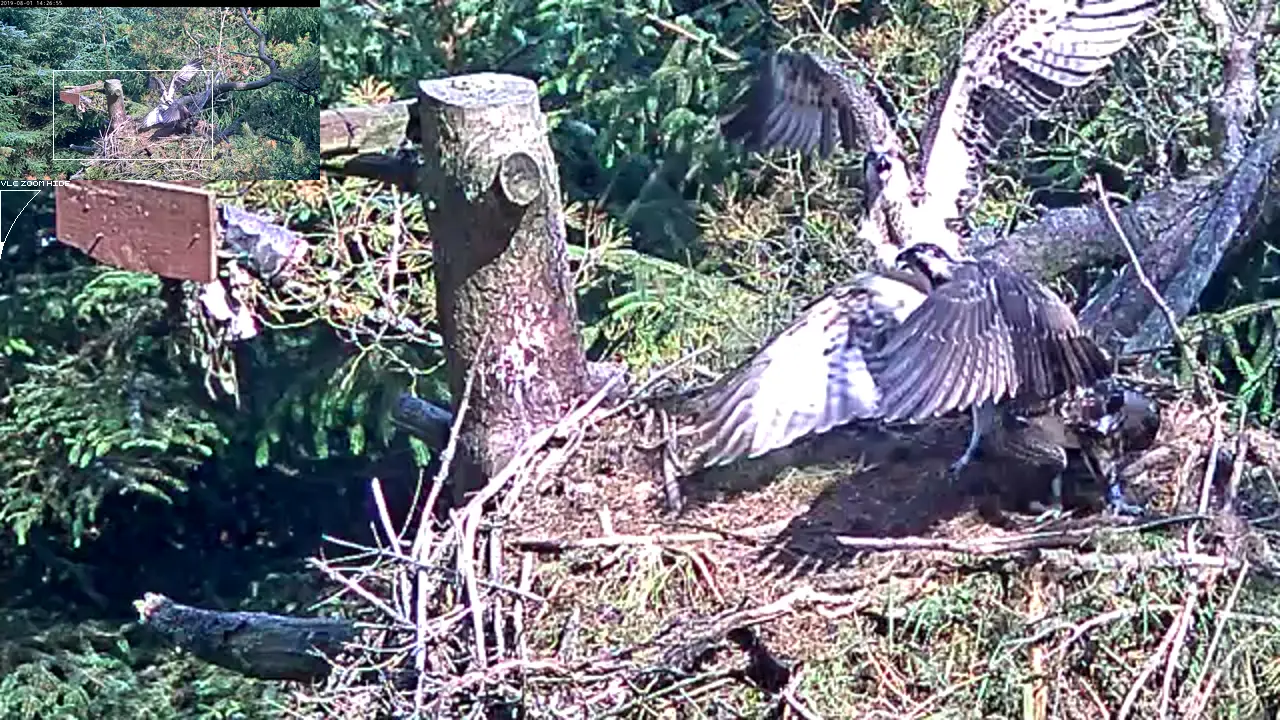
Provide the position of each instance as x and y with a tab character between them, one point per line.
174	110
1016	66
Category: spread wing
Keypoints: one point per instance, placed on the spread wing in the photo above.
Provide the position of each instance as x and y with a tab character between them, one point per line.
1017	65
990	334
810	378
198	102
182	77
802	101
183	107
153	118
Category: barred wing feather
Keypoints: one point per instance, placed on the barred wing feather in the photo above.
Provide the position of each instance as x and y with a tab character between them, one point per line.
1017	65
810	378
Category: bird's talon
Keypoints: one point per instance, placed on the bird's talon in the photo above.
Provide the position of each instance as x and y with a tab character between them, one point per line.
1048	513
1119	507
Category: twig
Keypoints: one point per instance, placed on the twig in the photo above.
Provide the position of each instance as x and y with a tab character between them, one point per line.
1206	480
1200	700
753	535
495	576
467	569
1081	629
789	697
357	589
384	516
982	546
1178	633
1046	542
1237	467
1181	625
1203	388
1035	699
688	35
517	620
652	381
422	541
1138	561
402	558
1103	712
1150	665
718	676
467	520
548	545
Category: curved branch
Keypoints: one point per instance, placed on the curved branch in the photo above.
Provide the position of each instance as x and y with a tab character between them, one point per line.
274	74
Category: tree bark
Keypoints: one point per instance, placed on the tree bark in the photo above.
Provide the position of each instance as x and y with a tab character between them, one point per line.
1237	101
504	290
1067	238
268	647
1229	220
367	129
115	102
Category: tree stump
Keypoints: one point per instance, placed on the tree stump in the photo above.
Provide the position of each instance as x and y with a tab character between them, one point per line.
504	291
115	102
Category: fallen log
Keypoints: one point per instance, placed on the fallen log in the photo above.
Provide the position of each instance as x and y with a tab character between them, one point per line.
259	645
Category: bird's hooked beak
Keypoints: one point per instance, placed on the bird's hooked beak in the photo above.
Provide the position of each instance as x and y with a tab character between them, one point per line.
929	259
878	169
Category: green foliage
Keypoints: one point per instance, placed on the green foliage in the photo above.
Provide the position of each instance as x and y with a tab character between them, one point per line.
86	671
83	420
1240	340
631	109
332	403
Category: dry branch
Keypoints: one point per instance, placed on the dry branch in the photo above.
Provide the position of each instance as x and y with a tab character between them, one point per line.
259	645
365	129
1236	101
1244	200
1204	387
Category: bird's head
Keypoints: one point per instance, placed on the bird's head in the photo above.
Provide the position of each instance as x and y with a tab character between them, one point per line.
885	172
888	204
934	262
1132	414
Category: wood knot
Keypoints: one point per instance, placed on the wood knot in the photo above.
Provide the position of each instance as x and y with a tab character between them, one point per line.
519	178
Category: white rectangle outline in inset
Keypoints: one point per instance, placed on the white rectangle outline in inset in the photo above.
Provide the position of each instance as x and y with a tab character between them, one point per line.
54	110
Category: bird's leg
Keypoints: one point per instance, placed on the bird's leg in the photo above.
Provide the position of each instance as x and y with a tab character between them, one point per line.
1054	509
1115	495
984	415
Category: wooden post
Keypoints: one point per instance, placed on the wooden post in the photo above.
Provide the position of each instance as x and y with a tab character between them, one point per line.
504	292
115	103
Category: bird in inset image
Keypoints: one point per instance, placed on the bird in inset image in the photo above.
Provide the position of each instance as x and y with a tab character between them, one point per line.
174	110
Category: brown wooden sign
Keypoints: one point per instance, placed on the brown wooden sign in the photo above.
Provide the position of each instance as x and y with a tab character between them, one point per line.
141	225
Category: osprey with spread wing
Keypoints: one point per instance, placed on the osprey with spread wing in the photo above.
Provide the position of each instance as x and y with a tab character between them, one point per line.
1017	65
932	331
175	110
